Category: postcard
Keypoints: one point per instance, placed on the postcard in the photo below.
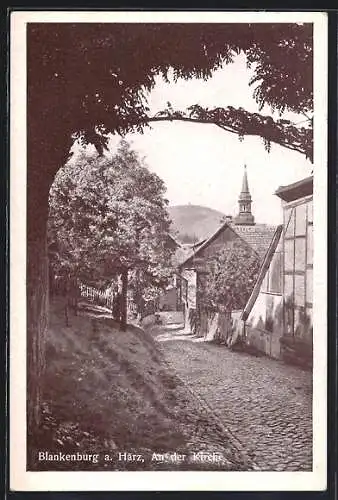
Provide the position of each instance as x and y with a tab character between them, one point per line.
168	214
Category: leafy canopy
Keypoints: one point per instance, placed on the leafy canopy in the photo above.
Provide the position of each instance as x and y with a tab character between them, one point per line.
93	79
108	215
230	277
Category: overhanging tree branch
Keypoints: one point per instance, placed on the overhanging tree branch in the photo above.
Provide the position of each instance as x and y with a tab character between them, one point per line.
242	123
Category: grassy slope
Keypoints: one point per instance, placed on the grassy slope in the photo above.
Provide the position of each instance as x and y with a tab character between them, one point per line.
109	391
195	220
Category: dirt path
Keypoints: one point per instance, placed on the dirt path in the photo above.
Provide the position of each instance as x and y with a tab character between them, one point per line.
265	404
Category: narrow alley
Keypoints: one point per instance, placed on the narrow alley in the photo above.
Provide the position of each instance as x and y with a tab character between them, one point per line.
265	404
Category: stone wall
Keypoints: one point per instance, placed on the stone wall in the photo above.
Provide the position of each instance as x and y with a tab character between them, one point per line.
222	327
264	323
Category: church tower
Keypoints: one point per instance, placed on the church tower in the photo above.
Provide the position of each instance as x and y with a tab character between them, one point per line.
244	217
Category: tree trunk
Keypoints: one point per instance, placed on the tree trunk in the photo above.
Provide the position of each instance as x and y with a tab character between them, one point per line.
48	146
123	323
39	180
37	310
187	326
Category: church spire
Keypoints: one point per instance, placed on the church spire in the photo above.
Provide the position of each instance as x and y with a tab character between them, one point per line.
245	185
245	216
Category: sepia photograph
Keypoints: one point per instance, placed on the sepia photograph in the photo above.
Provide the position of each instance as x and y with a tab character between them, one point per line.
168	250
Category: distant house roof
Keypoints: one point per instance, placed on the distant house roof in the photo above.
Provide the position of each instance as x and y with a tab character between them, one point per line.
296	190
197	248
258	237
262	272
198	244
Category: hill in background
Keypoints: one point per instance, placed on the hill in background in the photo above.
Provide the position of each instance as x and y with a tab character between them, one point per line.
192	223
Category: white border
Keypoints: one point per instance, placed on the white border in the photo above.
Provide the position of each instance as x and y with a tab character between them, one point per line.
22	480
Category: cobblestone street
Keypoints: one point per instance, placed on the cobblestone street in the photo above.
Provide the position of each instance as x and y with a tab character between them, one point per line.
265	404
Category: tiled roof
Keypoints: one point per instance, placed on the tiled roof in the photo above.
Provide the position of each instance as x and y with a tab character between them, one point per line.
296	190
258	236
195	249
262	272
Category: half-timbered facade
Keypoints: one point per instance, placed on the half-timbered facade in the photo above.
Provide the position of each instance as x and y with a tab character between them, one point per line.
280	306
297	202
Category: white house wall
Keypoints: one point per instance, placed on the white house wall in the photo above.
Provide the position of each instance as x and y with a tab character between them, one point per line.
257	335
264	325
190	276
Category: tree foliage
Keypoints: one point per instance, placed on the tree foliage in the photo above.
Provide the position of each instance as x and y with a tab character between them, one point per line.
108	215
230	277
241	122
92	79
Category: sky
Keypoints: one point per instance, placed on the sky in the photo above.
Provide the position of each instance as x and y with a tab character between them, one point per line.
202	164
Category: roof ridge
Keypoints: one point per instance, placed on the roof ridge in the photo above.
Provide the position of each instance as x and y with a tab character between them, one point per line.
255	246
